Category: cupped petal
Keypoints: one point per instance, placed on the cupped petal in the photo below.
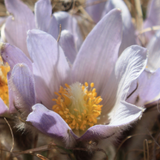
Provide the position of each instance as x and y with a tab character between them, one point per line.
51	124
50	63
3	107
122	118
18	24
69	23
128	36
13	55
154	52
67	43
147	88
95	9
45	21
47	57
22	85
129	66
99	52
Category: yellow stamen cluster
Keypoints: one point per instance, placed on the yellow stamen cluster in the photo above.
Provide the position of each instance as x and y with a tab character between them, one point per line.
78	105
4	69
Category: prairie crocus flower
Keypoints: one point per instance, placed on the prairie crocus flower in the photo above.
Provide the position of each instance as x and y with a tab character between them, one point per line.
84	102
22	19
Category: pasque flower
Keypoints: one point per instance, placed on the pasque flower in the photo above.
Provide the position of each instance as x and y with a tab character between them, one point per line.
84	102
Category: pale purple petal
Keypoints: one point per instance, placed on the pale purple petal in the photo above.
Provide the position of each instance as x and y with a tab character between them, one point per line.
154	52
128	37
43	12
68	46
3	107
43	92
45	21
124	115
50	64
99	52
22	85
95	9
51	124
69	23
153	17
13	55
18	24
148	88
11	96
53	27
129	66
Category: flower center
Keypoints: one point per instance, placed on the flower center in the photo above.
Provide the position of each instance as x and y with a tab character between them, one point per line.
4	69
78	105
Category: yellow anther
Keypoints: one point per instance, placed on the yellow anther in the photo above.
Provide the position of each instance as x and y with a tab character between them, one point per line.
66	85
83	87
78	105
75	110
61	113
4	69
86	84
93	90
92	85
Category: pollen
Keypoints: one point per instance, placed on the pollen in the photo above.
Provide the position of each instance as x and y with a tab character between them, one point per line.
78	105
4	69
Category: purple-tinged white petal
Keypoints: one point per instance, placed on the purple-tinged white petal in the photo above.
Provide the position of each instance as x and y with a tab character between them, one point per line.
53	27
69	23
13	55
99	52
95	9
18	24
68	46
43	12
153	17
129	66
22	85
128	37
45	21
51	124
148	88
50	65
154	52
124	115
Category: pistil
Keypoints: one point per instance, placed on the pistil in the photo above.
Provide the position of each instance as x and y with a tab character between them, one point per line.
78	105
